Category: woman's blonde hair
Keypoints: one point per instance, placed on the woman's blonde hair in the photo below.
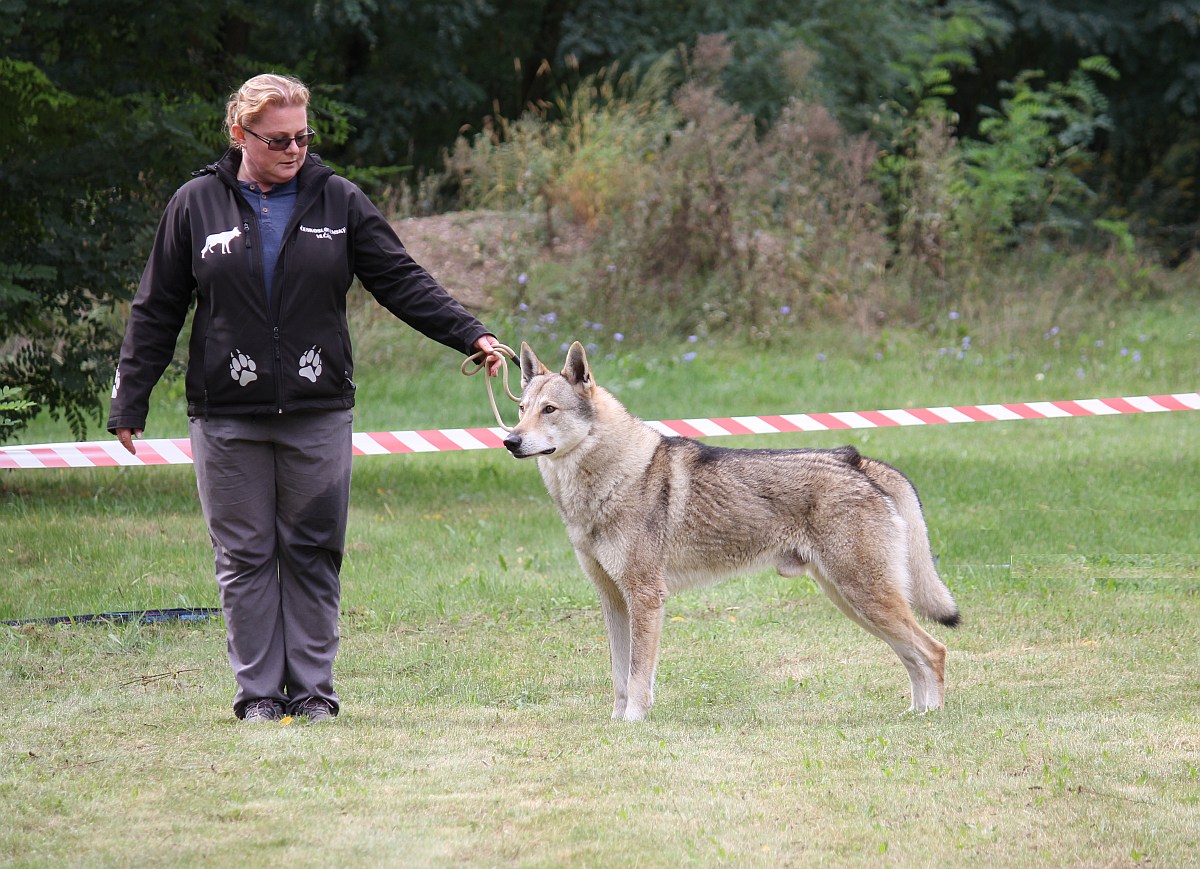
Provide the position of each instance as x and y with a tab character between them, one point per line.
258	94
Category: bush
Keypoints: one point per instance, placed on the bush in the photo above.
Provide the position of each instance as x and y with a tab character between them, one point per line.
572	159
701	221
698	223
1025	173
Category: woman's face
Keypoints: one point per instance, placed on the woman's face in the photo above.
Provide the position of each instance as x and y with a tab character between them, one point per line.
260	163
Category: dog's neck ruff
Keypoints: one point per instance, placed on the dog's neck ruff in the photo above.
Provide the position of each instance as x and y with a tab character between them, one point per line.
614	450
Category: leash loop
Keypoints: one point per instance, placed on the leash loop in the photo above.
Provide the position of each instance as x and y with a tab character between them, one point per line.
478	359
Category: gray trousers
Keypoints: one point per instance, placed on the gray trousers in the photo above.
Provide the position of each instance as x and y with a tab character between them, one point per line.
275	491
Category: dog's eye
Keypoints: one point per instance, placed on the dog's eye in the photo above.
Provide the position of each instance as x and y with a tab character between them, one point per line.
549	408
520	410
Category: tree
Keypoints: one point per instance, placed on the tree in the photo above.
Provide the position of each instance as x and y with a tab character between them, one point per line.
105	123
1148	162
409	72
101	132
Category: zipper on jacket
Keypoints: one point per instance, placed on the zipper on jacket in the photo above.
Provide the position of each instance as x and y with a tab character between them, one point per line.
253	255
278	370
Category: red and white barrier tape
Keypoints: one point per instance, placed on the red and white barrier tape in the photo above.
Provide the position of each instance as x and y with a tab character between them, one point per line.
178	451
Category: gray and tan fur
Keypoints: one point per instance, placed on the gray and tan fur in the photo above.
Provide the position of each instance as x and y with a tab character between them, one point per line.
650	515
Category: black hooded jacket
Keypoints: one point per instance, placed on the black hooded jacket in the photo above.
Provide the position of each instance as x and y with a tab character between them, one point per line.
248	357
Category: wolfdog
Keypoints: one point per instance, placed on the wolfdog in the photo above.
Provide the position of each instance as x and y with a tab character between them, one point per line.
649	515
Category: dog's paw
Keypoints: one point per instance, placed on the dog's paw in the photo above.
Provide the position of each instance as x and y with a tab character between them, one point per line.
634	713
921	710
242	368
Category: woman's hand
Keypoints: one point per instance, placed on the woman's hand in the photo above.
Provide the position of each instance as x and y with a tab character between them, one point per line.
126	436
494	360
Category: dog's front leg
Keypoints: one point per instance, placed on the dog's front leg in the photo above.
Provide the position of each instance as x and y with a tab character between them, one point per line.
647	605
616	624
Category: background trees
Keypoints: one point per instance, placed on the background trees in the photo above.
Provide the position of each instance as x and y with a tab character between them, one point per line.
112	104
1148	159
104	124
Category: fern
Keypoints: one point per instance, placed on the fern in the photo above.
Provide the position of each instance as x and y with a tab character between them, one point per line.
1025	170
12	401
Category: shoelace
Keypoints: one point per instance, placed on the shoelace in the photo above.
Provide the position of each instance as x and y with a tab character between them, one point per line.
263	707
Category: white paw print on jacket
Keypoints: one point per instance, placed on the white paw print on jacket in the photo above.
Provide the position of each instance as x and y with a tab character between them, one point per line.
310	364
242	368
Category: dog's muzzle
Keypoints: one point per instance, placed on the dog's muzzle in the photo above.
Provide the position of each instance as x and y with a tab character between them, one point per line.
512	443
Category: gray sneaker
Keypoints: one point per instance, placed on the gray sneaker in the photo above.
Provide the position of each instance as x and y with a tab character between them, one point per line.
314	709
262	710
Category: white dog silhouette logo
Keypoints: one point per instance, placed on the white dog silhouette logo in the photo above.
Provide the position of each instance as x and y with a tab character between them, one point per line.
242	368
220	238
310	364
116	383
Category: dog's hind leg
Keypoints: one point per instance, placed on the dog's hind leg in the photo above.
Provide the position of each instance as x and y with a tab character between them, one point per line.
927	593
616	625
925	659
877	604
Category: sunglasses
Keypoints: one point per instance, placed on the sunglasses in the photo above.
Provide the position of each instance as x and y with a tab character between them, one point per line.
281	143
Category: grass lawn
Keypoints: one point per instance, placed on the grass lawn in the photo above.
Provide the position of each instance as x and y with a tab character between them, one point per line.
474	672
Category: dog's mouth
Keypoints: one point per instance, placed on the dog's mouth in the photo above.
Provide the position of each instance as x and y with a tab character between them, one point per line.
514	449
533	455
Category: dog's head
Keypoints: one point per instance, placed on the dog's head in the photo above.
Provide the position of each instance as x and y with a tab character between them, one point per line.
557	410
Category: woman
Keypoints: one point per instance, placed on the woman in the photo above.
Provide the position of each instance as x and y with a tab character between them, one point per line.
267	242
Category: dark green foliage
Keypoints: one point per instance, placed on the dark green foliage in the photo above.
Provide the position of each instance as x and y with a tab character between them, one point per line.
12	402
1025	169
402	68
105	124
1150	158
112	104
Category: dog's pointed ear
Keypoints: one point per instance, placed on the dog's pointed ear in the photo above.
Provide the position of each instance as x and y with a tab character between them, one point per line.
576	369
531	366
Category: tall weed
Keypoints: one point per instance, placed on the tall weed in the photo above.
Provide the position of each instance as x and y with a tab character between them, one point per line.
572	158
702	221
698	222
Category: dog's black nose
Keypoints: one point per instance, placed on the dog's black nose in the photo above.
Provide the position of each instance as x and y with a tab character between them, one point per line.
512	442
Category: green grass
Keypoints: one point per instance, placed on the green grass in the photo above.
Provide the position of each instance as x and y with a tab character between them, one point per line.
474	670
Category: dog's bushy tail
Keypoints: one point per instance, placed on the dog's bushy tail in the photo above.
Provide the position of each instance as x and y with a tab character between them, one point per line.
927	594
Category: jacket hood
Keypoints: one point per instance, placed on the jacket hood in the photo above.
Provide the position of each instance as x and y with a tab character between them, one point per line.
227	166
